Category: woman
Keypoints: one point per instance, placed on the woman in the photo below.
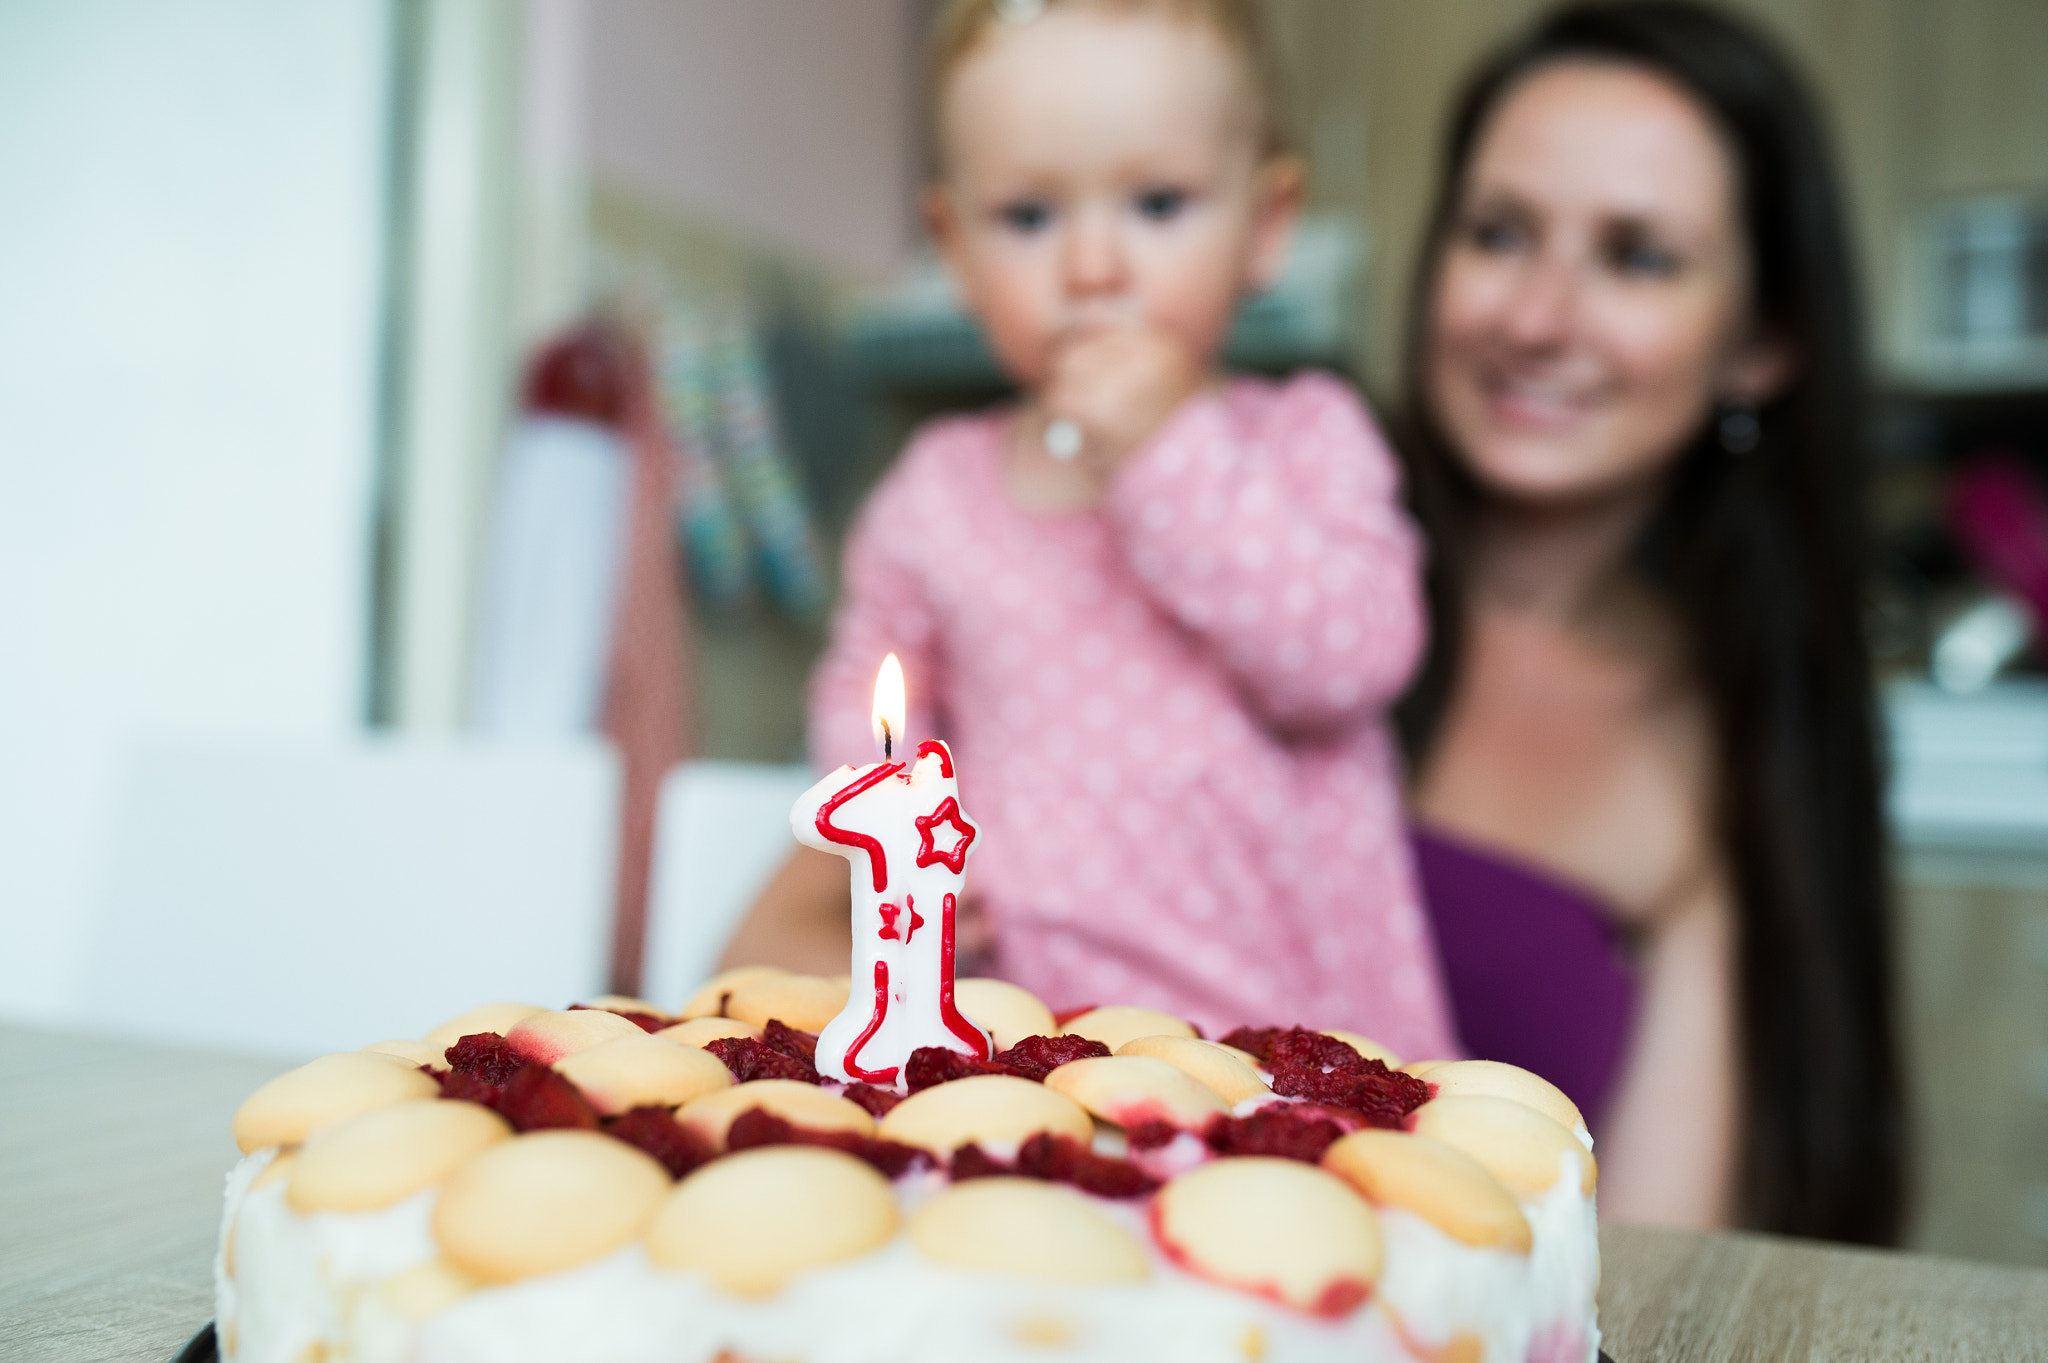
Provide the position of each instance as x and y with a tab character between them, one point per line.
1643	744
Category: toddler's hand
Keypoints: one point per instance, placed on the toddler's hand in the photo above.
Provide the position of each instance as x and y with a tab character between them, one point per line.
1118	387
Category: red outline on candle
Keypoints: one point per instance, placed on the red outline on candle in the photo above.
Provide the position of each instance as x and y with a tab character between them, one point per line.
928	854
851	1065
932	746
877	859
949	1012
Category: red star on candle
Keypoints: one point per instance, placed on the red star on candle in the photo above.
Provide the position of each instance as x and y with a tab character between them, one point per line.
947	812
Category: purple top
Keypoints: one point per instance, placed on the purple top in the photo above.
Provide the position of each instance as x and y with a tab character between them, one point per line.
1536	972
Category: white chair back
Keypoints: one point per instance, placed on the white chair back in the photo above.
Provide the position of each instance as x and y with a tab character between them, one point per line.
302	900
722	830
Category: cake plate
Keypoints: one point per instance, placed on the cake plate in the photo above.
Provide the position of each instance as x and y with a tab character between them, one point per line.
203	1349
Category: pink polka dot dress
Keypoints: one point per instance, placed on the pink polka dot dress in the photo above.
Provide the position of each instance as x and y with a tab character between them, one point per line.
1169	711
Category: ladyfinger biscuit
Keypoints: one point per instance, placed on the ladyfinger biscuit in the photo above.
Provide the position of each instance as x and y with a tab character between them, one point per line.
1026	1229
709	1000
295	1104
387	1155
1009	1012
804	1001
1273	1226
1493	1078
543	1202
1520	1146
1115	1025
799	1104
1439	1183
640	1071
1131	1090
545	1038
698	1031
754	1220
1223	1069
412	1052
985	1109
490	1017
1367	1047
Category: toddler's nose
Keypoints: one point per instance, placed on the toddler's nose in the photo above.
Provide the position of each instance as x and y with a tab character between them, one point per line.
1093	258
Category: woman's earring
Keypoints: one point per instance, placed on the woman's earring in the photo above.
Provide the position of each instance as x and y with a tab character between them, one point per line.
1740	429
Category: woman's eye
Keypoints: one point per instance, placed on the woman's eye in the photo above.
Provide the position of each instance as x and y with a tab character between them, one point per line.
1026	215
1162	205
1633	255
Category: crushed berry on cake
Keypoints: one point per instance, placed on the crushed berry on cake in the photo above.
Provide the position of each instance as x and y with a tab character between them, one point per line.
655	1131
749	1059
467	1088
932	1065
485	1057
758	1126
646	1022
877	1101
1150	1135
1053	1158
1382	1096
793	1042
538	1099
1037	1056
1299	1046
1296	1133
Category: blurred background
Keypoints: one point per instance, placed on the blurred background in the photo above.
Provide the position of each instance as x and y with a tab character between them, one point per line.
297	388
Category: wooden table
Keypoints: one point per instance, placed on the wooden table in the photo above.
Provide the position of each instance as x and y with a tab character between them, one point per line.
112	1154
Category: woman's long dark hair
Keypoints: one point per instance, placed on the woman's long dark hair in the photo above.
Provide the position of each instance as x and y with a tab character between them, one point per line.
1760	558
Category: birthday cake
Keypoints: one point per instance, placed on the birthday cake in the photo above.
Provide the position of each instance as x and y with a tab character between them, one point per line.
915	1170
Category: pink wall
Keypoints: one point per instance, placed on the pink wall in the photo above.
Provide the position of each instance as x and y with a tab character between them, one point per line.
790	118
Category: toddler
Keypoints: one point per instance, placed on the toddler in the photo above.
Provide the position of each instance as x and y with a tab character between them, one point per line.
1158	612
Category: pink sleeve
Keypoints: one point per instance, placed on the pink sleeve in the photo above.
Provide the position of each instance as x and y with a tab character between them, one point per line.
1281	543
882	609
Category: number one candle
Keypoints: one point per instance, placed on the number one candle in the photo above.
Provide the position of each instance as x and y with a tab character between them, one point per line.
899	826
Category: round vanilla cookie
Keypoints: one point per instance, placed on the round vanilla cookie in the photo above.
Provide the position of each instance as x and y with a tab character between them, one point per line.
1439	1183
1222	1069
1275	1226
642	1071
1494	1079
412	1052
625	1003
803	1001
985	1109
1133	1089
1367	1047
709	1000
1027	1229
1518	1145
698	1031
1010	1013
799	1104
546	1037
389	1154
752	1221
1114	1026
490	1017
543	1202
295	1104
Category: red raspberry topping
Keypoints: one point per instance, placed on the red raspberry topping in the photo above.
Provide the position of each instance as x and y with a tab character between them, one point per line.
1257	1041
791	1041
1150	1135
656	1131
1058	1159
484	1056
537	1099
749	1059
1384	1097
758	1126
1298	1133
468	1088
930	1065
1299	1046
1037	1056
646	1022
878	1102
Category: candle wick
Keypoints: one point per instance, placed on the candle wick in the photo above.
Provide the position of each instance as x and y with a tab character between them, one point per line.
888	742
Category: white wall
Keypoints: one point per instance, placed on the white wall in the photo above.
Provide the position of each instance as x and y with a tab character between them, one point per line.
189	284
790	118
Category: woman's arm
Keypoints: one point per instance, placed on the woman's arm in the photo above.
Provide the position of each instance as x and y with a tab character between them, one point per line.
802	919
1668	1145
1284	548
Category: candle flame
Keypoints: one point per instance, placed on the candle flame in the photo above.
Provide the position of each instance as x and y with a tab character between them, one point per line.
889	707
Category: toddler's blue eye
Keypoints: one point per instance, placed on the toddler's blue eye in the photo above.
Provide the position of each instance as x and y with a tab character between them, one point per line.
1162	205
1026	215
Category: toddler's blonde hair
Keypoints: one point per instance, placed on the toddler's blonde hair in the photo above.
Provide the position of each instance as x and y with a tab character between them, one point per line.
962	26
